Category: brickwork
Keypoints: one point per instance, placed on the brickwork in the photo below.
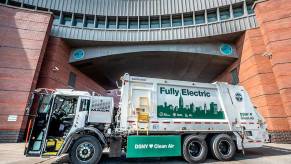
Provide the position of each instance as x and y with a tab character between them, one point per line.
280	136
275	24
257	76
56	69
265	66
24	36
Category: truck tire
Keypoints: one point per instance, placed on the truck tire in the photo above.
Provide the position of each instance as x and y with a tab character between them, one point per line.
222	147
194	149
87	149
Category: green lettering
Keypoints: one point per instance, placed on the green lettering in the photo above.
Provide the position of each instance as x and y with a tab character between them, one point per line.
184	92
162	89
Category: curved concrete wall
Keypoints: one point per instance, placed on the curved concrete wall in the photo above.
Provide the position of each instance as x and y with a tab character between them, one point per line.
139	9
217	28
129	7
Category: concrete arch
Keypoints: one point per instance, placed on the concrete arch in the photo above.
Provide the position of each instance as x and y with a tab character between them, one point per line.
201	48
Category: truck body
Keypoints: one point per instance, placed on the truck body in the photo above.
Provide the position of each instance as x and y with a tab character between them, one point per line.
155	117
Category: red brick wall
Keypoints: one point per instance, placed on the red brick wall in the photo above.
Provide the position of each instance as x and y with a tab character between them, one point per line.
257	76
268	79
57	55
225	76
24	37
274	18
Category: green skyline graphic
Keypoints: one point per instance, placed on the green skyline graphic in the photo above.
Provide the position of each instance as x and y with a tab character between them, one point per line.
190	111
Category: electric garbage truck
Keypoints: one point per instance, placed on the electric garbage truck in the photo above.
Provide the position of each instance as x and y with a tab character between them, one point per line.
155	118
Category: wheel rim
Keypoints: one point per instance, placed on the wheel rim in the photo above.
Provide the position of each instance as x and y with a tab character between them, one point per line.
224	147
195	149
85	151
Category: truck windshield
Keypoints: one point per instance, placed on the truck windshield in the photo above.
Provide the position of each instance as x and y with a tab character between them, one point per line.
65	104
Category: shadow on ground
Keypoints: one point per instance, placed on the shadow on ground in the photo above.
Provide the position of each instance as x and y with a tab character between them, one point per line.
254	153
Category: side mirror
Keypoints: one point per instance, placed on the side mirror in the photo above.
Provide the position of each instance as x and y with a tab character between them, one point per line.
118	84
118	93
29	104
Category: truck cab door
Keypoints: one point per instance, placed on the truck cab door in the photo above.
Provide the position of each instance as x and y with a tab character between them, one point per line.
38	125
81	114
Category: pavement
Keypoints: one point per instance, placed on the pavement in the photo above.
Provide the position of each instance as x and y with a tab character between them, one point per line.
12	153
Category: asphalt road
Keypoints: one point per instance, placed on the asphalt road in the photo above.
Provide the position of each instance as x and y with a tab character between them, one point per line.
269	154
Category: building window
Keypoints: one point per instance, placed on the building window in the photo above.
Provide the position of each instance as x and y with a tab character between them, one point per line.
89	22
72	80
211	16
199	18
133	23
100	22
13	3
234	76
144	23
176	20
56	17
84	105
78	21
224	13
250	8
67	20
155	22
166	21
29	6
122	23
188	19
42	9
238	11
111	22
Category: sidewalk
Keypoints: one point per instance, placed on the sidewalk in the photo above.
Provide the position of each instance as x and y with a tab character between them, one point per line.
12	153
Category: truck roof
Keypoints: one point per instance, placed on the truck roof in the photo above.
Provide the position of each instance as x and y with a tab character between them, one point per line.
71	92
128	77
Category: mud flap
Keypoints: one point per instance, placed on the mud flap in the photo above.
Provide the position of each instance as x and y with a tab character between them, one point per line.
115	146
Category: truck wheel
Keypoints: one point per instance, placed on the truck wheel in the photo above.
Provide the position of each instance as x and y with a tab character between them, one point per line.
194	149
222	147
86	149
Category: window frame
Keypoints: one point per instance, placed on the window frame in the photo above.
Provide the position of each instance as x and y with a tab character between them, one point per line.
92	24
224	10
200	14
155	22
133	26
72	80
165	21
186	16
110	24
234	76
144	26
177	20
78	21
123	21
100	25
66	19
235	8
209	18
